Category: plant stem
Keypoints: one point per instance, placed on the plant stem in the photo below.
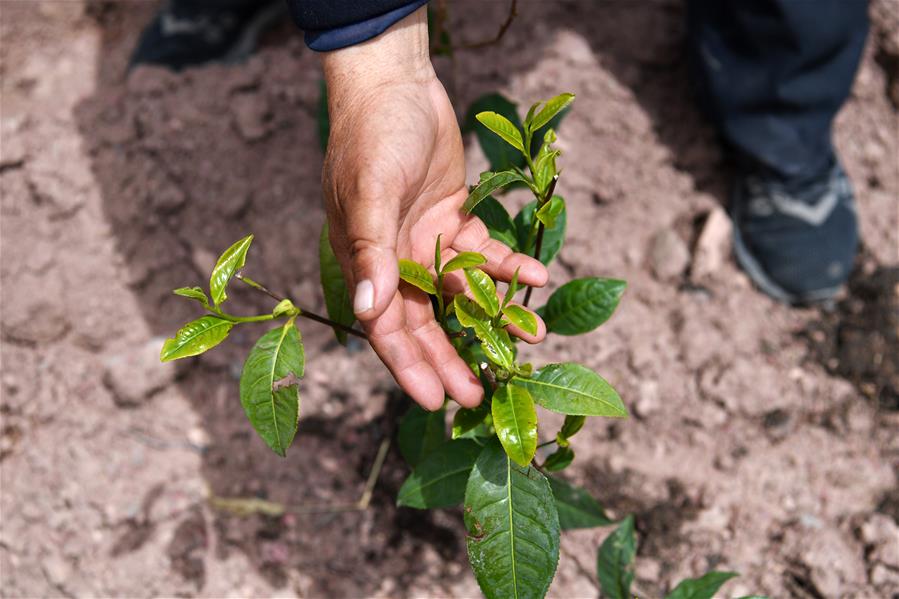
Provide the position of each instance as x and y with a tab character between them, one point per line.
538	246
303	313
232	318
513	12
546	443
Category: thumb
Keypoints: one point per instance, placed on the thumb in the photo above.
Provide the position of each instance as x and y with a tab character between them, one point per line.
372	233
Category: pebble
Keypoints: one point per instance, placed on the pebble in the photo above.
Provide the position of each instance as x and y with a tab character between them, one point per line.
647	399
134	373
713	245
252	116
668	255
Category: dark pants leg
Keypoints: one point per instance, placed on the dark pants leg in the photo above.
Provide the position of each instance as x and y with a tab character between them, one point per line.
772	74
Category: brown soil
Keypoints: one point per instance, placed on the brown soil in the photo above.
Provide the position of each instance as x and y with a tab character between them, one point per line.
764	440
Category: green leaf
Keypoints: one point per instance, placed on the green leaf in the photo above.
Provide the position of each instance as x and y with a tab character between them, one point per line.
615	562
495	342
522	318
464	260
269	386
530	115
498	221
571	426
195	337
228	263
439	479
467	419
499	153
545	167
420	432
570	388
502	127
559	460
194	293
515	420
284	308
552	237
704	587
322	119
550	211
581	305
551	109
488	185
483	290
513	527
512	289
577	508
416	274
438	258
337	296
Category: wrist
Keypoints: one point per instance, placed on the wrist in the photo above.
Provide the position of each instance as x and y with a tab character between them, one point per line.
399	55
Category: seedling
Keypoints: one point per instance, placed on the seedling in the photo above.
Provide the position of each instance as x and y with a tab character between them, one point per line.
513	509
615	570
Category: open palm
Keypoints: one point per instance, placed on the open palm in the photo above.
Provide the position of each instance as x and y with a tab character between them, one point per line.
394	179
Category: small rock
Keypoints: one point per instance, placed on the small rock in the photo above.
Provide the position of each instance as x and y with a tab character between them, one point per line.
42	322
878	529
832	563
252	116
668	255
881	575
199	438
647	399
57	570
204	260
648	568
14	152
136	372
713	245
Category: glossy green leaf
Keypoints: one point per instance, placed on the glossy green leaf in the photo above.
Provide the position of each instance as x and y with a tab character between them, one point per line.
550	211
552	107
502	127
483	290
515	420
334	287
521	317
559	460
194	293
416	274
500	154
487	186
495	342
577	508
195	337
439	479
467	419
438	256
615	562
420	432
581	305
531	112
499	223
228	264
512	289
464	260
545	169
513	527
572	425
269	386
553	237
570	388
703	587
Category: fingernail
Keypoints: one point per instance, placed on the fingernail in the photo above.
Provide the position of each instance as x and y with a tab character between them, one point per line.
365	297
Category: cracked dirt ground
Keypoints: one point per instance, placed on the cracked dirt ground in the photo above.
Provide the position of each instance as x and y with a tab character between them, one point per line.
747	449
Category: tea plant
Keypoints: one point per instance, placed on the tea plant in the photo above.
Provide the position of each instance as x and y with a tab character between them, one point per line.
514	509
615	570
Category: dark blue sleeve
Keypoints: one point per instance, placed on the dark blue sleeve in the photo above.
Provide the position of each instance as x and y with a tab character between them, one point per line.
334	24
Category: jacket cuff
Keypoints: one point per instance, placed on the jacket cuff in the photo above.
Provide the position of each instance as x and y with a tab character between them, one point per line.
355	33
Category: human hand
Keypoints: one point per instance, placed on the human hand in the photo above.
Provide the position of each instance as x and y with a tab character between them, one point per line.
394	179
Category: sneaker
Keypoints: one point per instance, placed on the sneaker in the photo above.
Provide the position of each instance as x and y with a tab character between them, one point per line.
186	34
796	242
